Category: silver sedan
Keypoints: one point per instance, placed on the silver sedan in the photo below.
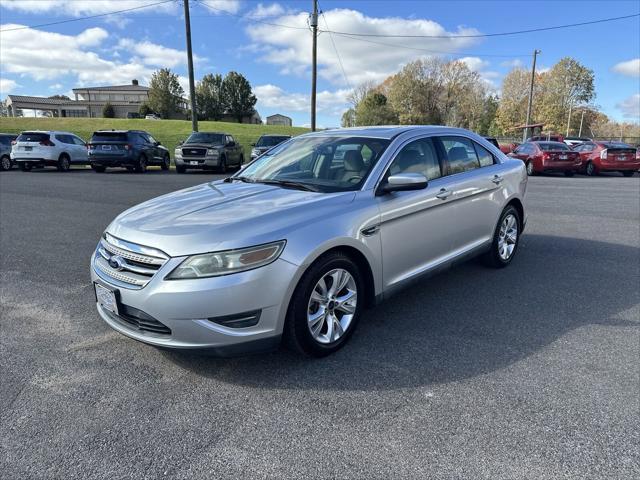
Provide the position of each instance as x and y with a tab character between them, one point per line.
296	245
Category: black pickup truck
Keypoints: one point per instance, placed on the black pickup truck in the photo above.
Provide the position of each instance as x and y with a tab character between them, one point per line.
209	150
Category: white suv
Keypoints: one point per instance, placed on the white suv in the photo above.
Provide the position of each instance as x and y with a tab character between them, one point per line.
49	148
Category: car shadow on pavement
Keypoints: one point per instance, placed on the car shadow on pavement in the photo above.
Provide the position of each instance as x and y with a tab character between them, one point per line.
466	322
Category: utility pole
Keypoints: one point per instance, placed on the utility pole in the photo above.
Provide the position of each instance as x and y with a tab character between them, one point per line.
192	86
313	23
533	77
581	120
569	120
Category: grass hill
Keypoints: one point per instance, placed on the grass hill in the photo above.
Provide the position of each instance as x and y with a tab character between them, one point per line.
168	132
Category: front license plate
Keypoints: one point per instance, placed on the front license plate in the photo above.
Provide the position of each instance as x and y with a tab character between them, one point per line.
563	157
193	163
106	298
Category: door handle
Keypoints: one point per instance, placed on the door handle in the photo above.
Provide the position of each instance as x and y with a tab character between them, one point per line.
497	179
443	194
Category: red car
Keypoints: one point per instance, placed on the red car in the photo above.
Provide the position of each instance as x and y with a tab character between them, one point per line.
545	156
599	157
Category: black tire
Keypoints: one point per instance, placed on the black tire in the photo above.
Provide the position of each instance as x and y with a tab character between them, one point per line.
223	165
241	162
98	168
25	166
628	173
568	173
64	163
166	162
180	169
493	258
530	170
141	166
5	163
590	169
297	333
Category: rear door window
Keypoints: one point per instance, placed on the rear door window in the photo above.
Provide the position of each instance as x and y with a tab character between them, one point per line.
484	156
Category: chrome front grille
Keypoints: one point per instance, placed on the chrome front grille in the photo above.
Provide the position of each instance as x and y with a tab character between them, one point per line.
127	264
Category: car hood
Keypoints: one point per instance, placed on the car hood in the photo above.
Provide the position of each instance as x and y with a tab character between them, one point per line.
200	145
220	216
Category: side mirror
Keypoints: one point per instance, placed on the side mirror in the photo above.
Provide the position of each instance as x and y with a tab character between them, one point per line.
402	182
253	144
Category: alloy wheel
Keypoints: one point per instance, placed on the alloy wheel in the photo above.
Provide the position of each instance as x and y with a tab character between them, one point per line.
6	163
332	306
507	237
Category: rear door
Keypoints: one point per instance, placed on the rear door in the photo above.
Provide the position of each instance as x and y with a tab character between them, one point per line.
474	180
80	148
31	144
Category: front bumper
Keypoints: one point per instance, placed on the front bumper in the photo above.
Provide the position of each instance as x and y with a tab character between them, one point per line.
190	308
208	161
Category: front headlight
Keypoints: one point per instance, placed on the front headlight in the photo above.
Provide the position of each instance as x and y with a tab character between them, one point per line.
255	152
177	152
211	151
227	262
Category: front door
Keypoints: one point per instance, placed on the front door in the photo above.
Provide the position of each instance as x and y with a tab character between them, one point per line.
414	225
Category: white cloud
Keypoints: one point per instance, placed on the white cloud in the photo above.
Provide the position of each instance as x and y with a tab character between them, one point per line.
154	54
80	8
55	86
262	11
630	107
515	63
363	61
630	68
7	86
478	65
46	55
328	102
231	6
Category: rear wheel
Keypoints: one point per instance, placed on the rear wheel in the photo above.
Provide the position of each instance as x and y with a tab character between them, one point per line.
628	173
5	163
166	162
25	166
530	171
590	169
326	306
505	239
141	167
98	168
64	163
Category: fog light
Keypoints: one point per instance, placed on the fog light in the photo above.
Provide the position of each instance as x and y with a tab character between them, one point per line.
239	320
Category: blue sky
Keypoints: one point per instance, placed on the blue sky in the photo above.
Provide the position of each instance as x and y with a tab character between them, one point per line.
115	49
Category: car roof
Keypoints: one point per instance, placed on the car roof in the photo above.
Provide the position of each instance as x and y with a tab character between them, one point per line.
48	132
387	132
118	131
275	135
212	133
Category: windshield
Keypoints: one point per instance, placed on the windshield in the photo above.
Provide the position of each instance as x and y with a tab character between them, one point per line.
553	146
203	137
270	141
328	164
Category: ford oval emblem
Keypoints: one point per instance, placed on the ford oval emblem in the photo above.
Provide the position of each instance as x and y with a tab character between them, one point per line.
116	262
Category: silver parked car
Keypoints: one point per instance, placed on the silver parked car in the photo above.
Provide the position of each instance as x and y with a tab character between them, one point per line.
298	243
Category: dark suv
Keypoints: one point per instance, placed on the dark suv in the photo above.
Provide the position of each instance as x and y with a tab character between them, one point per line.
132	149
265	143
5	150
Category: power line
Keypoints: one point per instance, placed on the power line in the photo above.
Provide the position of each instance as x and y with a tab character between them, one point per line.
482	35
346	79
88	17
460	54
249	17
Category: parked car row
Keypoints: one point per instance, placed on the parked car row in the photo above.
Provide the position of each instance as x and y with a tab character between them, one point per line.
134	150
590	157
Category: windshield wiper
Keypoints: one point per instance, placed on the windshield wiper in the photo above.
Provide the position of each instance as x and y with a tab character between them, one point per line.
289	184
240	179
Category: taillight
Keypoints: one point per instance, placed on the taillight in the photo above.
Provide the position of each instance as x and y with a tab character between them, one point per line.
90	146
545	156
47	143
603	154
128	147
13	142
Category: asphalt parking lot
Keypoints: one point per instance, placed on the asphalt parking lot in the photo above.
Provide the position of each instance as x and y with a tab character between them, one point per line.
528	372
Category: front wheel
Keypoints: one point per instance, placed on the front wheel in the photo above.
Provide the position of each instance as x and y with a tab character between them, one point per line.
141	167
64	164
5	163
241	162
505	239
326	306
223	165
166	162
